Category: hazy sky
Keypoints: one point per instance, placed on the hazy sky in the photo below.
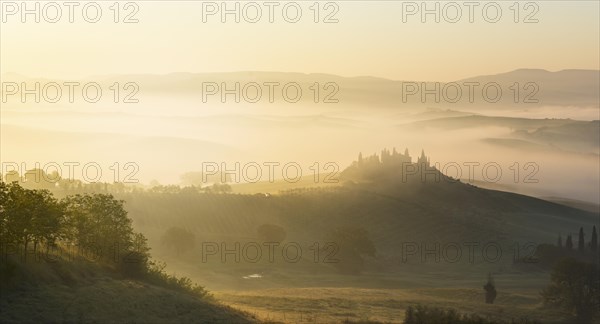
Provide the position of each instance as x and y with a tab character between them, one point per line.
370	38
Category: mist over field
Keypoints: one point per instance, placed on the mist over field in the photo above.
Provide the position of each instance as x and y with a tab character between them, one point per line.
183	162
197	129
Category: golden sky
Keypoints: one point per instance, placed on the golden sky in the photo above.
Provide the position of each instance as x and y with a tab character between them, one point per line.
370	38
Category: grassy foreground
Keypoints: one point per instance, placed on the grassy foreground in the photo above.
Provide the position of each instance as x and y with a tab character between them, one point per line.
82	291
336	305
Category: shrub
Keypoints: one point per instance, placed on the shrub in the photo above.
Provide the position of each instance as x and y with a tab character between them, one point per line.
157	275
427	315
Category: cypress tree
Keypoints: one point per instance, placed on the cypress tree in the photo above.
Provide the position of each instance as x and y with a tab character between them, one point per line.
594	242
569	242
490	290
581	241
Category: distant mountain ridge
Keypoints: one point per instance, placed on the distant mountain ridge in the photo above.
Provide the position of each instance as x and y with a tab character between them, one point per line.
520	88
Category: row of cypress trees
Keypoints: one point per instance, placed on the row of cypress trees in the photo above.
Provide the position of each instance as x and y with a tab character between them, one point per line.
581	246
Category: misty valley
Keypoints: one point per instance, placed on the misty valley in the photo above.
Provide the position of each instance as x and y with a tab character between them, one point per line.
402	239
336	162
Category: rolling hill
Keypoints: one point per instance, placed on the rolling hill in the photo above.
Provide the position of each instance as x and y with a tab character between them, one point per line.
82	291
543	134
391	209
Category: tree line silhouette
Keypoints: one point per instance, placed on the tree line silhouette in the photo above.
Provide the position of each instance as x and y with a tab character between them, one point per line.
34	221
37	179
592	245
34	218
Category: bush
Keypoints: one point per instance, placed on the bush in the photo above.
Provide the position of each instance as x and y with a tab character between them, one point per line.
134	265
490	290
159	277
575	287
352	244
427	315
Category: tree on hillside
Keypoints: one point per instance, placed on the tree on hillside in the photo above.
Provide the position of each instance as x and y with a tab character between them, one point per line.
178	239
594	241
136	262
47	220
29	216
490	290
94	221
581	241
99	223
353	243
575	287
569	243
4	194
